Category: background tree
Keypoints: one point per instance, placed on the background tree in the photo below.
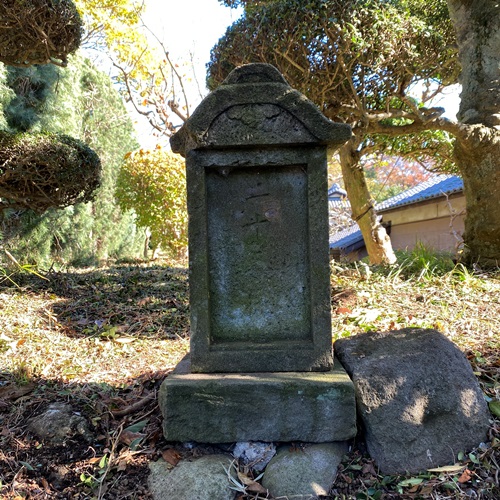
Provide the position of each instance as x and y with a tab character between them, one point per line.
477	148
38	31
358	60
387	176
153	184
149	80
82	102
6	95
45	171
31	175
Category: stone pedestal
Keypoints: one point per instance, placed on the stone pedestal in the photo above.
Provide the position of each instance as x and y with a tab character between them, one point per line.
281	406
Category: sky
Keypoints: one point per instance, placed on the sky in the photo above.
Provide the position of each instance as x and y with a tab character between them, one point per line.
189	27
193	27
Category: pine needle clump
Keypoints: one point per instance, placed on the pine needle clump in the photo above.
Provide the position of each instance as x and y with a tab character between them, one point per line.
42	171
38	31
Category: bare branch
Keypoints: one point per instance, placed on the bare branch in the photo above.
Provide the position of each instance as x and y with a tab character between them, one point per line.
148	114
176	73
290	60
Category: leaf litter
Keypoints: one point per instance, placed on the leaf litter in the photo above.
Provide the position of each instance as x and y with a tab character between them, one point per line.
103	340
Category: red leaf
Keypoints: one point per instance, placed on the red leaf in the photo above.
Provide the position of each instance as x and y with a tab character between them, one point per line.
171	456
466	476
343	310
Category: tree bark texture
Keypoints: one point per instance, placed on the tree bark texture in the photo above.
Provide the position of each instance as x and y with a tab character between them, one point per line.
477	149
377	242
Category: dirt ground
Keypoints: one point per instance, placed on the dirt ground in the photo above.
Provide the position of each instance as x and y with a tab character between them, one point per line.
103	340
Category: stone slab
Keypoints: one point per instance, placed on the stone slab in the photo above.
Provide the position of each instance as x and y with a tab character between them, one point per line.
272	406
258	260
202	479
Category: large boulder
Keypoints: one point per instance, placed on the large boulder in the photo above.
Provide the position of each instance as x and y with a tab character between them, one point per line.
417	397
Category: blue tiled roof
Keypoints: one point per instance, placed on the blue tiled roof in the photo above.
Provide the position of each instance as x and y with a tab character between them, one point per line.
338	203
435	187
336	190
351	239
347	240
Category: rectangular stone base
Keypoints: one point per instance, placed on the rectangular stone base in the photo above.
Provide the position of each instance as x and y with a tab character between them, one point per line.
277	406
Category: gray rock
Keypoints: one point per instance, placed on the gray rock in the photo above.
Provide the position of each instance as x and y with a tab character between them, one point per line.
303	473
201	479
255	454
417	397
59	423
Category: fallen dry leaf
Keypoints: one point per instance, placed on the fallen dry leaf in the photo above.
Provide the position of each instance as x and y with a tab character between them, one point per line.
122	466
426	491
244	478
448	468
45	485
171	456
13	391
256	487
369	469
127	437
345	478
124	340
466	476
250	484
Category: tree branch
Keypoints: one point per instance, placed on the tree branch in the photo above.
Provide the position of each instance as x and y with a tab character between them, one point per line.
459	130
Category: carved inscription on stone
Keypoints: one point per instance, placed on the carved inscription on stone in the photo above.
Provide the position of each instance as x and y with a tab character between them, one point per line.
258	254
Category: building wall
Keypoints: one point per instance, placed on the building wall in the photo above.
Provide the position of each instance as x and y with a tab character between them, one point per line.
438	224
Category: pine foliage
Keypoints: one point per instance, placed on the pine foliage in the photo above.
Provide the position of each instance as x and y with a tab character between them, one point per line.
80	101
38	31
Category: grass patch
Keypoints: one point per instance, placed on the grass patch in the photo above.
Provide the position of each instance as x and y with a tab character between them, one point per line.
104	339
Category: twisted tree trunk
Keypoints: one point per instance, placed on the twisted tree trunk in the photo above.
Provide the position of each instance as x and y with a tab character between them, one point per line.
477	149
377	242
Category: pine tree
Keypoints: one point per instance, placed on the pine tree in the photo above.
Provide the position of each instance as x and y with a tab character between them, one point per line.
6	94
79	101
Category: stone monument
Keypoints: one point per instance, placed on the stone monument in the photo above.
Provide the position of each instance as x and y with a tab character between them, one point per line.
261	362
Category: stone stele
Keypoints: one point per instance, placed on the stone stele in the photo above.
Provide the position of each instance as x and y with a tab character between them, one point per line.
256	167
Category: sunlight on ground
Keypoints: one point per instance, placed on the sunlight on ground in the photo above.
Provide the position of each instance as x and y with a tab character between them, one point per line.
100	332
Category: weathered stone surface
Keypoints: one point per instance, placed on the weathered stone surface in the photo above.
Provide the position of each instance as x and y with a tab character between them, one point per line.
59	423
417	397
259	269
305	473
254	454
287	406
256	106
201	479
258	226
